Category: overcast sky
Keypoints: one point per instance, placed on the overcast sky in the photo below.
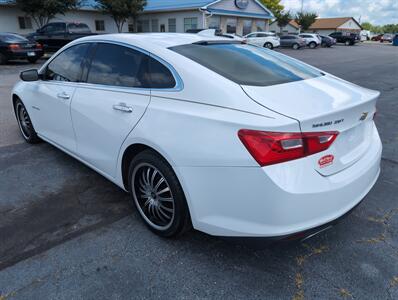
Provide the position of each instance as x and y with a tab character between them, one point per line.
378	12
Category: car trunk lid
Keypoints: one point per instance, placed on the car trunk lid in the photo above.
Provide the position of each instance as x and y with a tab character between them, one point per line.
325	104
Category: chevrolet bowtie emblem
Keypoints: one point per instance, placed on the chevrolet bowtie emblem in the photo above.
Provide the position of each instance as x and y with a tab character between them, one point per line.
363	117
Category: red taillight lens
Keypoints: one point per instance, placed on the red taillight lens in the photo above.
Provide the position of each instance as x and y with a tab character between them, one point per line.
14	47
269	148
39	46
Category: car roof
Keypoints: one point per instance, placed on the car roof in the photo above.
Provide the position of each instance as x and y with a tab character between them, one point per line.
154	40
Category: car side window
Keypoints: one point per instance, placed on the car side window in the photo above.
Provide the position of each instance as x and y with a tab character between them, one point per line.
160	76
67	66
119	66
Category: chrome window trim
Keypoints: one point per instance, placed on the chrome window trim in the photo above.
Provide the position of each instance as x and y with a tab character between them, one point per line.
179	86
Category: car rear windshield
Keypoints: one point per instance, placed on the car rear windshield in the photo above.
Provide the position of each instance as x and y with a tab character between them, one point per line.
246	64
78	28
12	38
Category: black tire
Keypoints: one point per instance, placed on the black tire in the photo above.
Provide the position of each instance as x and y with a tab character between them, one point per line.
347	43
312	45
25	124
269	45
3	59
32	60
296	46
324	45
146	195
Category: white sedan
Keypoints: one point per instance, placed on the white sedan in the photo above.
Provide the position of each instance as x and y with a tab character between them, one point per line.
232	139
263	39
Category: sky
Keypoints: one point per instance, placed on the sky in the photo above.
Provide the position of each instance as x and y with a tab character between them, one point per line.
377	12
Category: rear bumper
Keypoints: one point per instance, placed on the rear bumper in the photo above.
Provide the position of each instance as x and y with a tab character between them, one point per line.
275	201
23	54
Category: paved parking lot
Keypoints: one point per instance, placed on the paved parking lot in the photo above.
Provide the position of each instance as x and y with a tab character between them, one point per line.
67	233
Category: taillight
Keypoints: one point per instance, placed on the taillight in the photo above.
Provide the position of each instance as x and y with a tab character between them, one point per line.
39	46
269	148
14	47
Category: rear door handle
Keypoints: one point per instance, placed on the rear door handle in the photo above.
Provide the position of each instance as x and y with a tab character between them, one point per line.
63	95
123	107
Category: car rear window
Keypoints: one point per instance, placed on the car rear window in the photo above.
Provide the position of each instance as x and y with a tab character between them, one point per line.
12	38
246	64
78	28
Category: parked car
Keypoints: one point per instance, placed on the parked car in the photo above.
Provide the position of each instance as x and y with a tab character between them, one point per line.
292	41
346	38
387	37
377	38
207	132
263	39
54	36
312	40
327	41
14	46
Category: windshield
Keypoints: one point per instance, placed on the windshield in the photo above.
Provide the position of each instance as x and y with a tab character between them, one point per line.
246	64
12	38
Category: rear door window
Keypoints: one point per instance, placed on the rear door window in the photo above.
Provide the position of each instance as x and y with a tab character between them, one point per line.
246	64
119	66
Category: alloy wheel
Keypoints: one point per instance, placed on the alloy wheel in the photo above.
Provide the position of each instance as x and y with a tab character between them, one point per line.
153	196
23	120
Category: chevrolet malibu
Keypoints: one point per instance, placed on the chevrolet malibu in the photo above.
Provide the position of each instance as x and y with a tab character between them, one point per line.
206	132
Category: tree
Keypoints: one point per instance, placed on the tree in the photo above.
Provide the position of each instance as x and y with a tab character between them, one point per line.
367	26
390	28
274	6
121	10
305	19
42	11
283	18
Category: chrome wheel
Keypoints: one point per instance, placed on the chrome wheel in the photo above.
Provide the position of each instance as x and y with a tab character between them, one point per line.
23	120
153	196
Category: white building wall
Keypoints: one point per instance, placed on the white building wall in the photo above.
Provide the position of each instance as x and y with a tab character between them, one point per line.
89	17
350	25
287	29
323	31
9	20
163	18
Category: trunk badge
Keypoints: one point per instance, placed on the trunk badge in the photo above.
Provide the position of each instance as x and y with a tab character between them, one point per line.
363	117
326	160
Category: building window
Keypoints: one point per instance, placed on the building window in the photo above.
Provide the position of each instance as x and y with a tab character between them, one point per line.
99	25
25	23
143	26
172	25
155	25
190	23
131	27
260	26
247	26
214	22
231	25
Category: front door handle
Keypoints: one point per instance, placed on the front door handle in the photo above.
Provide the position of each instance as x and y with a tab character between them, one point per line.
63	95
123	107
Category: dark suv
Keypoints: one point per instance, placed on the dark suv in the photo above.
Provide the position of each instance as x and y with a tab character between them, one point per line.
346	38
54	36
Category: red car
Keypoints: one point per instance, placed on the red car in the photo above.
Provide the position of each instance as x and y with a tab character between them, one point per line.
377	37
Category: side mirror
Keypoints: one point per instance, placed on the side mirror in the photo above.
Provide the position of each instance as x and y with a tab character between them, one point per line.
29	75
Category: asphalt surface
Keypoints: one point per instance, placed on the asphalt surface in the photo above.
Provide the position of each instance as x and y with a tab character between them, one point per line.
68	233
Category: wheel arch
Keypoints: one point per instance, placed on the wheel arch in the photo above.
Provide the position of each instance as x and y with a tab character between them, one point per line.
134	149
